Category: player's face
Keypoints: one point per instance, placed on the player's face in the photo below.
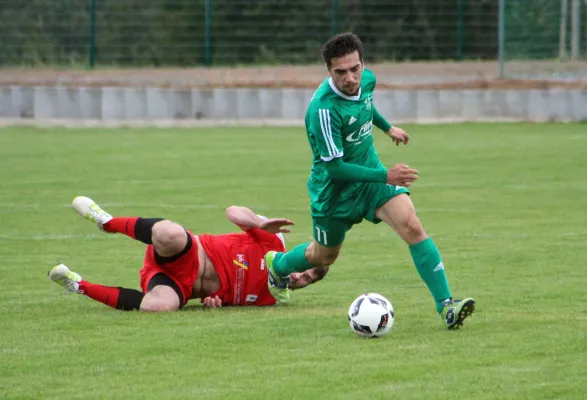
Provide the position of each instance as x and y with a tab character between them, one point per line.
346	72
299	280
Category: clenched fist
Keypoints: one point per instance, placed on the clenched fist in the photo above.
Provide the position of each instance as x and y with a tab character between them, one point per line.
401	175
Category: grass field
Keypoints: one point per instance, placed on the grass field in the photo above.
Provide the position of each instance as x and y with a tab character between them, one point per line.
506	205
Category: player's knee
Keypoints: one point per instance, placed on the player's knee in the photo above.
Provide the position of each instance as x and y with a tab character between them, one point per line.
168	238
412	230
160	299
323	256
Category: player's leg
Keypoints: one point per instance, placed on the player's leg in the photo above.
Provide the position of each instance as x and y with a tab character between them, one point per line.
163	293
168	238
329	234
321	252
135	227
161	299
170	241
169	268
399	213
116	297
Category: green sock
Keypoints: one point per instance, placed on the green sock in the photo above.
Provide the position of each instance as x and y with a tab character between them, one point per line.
292	261
429	265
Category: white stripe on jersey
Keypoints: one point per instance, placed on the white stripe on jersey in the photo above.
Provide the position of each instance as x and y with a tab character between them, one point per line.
325	128
334	149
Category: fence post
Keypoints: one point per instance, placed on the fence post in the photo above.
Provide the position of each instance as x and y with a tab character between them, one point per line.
208	33
562	36
334	22
460	27
575	28
92	43
501	38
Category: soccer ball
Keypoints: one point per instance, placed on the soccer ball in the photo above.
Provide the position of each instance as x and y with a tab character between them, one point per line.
371	315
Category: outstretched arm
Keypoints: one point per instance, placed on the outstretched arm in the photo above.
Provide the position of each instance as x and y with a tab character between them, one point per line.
245	218
398	135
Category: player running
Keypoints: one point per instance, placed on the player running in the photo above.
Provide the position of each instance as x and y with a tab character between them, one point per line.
349	184
180	266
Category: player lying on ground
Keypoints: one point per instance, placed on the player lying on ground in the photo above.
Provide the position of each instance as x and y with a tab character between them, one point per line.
348	183
180	266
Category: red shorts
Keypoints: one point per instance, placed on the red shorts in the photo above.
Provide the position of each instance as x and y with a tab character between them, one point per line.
183	271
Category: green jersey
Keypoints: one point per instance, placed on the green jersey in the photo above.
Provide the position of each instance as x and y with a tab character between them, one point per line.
339	126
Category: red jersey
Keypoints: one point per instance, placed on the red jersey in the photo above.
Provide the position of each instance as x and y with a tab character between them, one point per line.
240	265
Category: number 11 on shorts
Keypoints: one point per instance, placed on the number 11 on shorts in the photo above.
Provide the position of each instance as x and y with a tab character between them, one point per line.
321	236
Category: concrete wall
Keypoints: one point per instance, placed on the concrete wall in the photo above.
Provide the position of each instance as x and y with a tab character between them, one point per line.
418	106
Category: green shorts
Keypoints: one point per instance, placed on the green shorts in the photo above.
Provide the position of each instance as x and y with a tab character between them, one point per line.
330	231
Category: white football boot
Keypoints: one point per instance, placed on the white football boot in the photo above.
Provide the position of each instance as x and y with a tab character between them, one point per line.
88	209
62	276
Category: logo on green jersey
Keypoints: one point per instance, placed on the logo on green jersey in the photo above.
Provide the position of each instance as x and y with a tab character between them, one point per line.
365	130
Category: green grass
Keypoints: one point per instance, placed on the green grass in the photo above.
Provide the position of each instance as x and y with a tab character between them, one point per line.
506	204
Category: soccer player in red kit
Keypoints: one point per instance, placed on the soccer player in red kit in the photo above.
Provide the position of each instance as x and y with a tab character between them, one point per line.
180	265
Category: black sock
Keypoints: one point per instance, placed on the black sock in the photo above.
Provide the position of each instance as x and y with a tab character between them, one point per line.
144	229
129	299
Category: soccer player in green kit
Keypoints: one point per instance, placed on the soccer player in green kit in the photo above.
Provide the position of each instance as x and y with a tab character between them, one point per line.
348	183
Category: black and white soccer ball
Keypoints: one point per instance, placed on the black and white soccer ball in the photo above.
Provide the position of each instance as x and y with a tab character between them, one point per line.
371	315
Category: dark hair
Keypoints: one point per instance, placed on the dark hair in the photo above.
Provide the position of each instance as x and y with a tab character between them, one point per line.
340	45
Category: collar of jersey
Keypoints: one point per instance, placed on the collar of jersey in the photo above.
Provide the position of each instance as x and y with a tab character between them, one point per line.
341	94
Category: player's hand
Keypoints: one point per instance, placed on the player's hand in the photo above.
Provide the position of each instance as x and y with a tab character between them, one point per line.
401	175
398	135
276	225
212	302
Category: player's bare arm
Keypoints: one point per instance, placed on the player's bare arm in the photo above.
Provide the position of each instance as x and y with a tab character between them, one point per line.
245	218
